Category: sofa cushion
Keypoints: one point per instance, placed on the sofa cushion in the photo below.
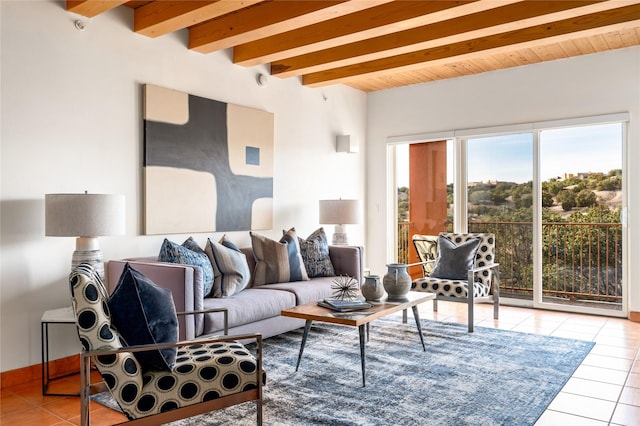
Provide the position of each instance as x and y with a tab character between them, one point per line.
454	261
315	254
189	253
248	306
144	313
312	291
230	268
277	261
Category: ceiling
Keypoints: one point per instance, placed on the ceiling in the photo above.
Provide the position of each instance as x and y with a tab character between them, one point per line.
379	44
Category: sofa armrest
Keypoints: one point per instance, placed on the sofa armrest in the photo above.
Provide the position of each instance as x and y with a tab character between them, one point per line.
348	260
182	280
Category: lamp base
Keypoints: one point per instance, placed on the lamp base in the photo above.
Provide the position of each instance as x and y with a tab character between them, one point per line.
87	251
340	236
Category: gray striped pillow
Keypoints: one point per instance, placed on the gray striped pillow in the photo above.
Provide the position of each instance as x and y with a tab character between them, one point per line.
230	268
277	261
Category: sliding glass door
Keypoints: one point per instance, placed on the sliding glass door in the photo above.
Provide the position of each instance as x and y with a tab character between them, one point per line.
582	191
552	194
500	195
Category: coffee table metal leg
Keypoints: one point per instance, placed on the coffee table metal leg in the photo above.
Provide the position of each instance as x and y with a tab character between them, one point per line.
307	327
361	330
419	325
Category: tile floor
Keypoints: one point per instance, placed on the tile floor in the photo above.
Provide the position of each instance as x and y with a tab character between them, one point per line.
604	390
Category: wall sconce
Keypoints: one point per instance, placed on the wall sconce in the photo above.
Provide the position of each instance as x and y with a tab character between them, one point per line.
346	143
339	213
85	216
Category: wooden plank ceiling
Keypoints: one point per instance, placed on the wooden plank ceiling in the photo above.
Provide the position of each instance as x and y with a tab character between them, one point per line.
379	44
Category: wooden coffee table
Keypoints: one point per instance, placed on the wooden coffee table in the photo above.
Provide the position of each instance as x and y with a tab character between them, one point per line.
312	312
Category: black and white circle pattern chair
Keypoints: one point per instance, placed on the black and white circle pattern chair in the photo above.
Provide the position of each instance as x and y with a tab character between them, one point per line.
462	259
208	374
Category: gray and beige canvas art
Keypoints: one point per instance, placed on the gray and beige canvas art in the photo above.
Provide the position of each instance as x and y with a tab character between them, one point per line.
208	165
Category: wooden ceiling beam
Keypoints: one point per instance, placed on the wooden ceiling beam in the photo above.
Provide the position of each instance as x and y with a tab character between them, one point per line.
382	19
581	26
162	17
92	8
263	20
469	27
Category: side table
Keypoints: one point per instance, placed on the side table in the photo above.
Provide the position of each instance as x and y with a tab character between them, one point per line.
54	316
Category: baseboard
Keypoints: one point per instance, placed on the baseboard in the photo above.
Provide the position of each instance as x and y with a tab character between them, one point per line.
58	367
634	316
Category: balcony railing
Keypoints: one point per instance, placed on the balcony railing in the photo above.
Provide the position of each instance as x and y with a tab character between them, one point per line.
581	262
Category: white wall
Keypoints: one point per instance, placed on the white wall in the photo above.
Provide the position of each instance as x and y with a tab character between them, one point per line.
589	85
71	121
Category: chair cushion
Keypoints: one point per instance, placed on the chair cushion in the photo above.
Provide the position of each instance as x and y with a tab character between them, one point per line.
202	372
188	253
315	254
449	288
144	313
230	268
277	261
455	261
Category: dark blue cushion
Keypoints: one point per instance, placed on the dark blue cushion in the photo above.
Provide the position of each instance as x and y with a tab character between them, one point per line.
453	262
144	313
189	253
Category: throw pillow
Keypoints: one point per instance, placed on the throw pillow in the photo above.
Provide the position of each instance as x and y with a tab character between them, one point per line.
189	253
144	313
453	262
315	254
230	267
277	261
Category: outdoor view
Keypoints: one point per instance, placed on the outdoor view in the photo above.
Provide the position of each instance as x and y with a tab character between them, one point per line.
581	183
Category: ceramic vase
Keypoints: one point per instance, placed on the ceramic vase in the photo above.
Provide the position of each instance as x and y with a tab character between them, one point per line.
372	288
397	281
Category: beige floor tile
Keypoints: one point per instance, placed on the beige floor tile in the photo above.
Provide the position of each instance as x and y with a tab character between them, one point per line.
599	374
593	389
630	396
584	406
603	361
614	351
570	334
556	418
633	380
626	415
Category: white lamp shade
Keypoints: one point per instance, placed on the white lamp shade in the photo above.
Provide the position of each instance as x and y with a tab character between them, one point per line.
339	212
84	215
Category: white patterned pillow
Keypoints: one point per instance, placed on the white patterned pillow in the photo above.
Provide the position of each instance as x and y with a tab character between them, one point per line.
230	267
277	261
315	254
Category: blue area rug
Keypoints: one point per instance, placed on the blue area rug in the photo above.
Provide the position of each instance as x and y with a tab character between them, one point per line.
488	377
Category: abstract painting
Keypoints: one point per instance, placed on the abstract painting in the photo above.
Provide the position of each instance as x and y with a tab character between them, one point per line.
208	165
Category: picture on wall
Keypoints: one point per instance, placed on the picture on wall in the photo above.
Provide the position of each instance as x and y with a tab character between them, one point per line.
208	165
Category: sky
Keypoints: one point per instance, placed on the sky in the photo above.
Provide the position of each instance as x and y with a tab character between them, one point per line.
510	158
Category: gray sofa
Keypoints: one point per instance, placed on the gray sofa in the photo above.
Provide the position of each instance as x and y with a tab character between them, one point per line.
256	309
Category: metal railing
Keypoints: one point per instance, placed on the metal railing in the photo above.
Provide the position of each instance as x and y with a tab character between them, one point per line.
580	261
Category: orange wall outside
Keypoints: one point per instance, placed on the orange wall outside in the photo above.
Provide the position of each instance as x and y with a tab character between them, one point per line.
427	193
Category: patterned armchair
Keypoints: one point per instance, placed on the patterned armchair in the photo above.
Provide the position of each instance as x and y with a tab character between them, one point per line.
208	374
451	283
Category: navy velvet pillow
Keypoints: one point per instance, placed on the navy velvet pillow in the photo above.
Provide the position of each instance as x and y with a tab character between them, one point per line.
144	313
453	262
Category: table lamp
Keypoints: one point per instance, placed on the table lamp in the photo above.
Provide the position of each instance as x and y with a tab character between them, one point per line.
339	213
86	217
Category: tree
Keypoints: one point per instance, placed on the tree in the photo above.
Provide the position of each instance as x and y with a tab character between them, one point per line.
567	199
586	198
547	199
